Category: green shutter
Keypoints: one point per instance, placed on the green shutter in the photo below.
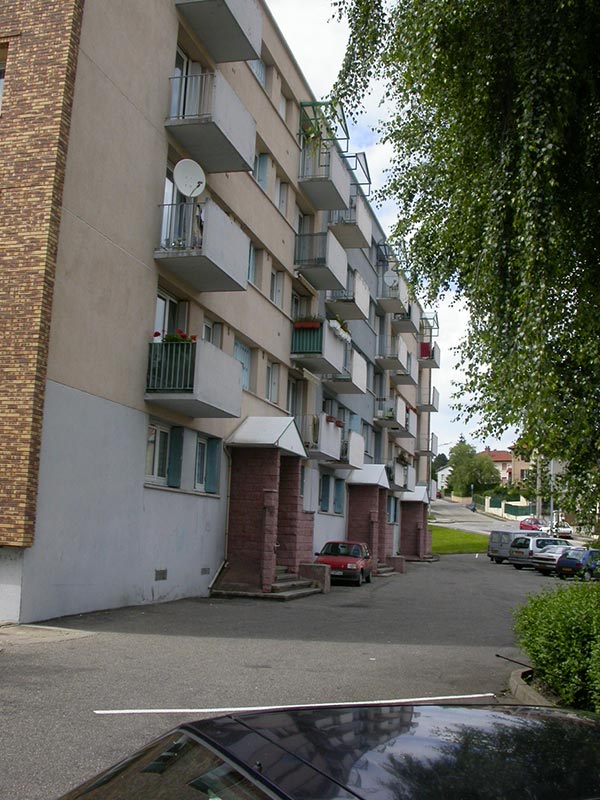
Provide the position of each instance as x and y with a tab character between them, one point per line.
324	498
213	463
175	457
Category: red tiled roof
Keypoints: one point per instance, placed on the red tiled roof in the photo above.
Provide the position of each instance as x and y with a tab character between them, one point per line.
497	455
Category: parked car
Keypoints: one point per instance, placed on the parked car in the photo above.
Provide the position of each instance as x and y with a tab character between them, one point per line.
560	529
499	544
524	548
579	562
365	752
531	524
545	560
348	560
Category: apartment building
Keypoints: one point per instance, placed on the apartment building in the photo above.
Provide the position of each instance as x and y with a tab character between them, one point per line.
211	361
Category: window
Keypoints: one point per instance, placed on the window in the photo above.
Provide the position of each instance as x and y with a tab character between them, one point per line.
3	54
259	68
243	354
300	306
282	107
367	433
281	195
208	461
211	332
190	92
170	314
276	289
324	491
260	173
252	264
157	452
200	463
338	495
272	388
392	509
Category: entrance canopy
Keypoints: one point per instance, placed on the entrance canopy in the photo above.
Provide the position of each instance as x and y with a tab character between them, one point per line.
419	495
278	432
369	475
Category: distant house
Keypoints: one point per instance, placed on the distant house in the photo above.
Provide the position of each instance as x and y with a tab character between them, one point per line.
442	477
503	460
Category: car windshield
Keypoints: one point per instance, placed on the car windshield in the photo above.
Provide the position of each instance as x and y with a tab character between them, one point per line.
575	552
341	549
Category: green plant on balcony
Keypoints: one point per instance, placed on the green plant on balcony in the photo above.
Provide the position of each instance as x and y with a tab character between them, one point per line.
309	321
171	362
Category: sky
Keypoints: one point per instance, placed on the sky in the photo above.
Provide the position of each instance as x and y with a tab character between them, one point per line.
318	43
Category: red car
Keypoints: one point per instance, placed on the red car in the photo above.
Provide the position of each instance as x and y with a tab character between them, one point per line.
348	560
531	524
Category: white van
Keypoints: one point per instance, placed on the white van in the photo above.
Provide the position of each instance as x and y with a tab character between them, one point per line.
499	544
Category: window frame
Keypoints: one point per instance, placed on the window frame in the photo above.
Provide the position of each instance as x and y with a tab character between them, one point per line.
160	430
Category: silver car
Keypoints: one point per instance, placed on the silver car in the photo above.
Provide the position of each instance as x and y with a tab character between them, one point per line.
545	560
524	548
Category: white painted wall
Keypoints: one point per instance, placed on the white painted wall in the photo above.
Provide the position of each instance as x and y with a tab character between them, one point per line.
100	533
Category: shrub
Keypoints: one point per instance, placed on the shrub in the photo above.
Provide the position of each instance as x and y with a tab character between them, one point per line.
560	632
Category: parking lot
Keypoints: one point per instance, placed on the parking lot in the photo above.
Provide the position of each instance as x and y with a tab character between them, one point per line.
435	631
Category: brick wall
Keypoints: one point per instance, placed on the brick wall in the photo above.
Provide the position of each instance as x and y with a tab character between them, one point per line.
415	536
386	529
253	516
43	41
363	513
295	526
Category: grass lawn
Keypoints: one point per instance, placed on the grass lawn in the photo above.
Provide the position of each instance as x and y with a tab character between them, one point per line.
445	541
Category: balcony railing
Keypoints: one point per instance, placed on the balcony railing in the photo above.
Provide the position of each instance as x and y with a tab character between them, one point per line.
429	354
321	434
324	177
211	122
319	349
181	377
352	302
321	259
429	400
352	226
171	367
202	245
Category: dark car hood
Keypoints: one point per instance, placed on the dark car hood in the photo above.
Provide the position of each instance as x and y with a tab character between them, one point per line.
393	752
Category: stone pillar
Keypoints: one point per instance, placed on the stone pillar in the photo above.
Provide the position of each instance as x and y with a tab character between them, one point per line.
295	526
363	516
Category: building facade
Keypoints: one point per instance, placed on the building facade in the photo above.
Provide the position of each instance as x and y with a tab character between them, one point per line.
212	363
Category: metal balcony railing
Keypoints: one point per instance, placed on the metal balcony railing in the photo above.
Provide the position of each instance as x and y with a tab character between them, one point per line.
192	96
171	367
311	249
182	226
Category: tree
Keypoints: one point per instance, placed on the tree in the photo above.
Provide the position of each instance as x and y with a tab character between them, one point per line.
438	462
494	119
470	469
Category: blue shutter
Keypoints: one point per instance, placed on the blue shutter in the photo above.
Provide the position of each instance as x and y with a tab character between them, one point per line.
175	457
213	463
324	498
338	496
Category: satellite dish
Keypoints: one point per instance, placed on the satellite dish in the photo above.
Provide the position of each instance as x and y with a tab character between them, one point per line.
189	177
390	277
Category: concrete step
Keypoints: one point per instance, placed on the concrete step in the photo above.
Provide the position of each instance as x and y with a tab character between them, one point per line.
290	582
293	594
383	570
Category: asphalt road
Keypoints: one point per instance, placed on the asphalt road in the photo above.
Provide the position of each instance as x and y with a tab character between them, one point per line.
434	631
455	515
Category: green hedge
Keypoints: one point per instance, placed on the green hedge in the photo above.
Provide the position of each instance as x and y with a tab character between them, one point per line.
560	632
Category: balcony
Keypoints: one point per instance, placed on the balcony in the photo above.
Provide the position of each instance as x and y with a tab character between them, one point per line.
352	379
318	348
352	455
402	477
324	178
408	374
181	378
322	260
392	293
392	354
390	413
211	123
407	321
322	436
231	30
427	445
203	246
352	226
429	355
408	429
429	400
351	303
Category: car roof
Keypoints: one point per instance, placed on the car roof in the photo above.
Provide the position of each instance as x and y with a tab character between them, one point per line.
359	751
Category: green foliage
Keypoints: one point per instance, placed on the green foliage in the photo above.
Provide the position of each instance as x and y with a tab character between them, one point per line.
560	632
470	469
438	462
494	121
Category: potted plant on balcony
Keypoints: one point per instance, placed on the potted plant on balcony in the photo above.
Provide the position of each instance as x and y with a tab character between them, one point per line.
171	368
308	322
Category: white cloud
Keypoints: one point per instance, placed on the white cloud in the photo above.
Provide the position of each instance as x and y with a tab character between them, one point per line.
318	43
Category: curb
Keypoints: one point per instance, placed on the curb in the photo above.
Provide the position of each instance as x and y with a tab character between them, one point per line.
523	691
